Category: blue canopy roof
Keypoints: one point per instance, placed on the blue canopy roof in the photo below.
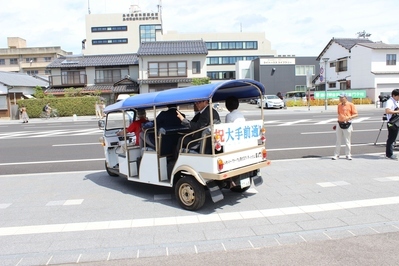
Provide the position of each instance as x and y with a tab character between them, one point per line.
240	88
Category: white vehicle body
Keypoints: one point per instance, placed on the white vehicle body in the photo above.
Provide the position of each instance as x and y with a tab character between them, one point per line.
228	155
270	101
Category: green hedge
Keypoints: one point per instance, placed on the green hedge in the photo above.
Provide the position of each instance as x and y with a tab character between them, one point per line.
67	106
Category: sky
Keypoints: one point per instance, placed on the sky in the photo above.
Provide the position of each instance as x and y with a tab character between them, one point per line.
294	27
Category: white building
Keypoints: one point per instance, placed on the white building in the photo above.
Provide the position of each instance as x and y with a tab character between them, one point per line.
120	33
123	33
359	64
374	67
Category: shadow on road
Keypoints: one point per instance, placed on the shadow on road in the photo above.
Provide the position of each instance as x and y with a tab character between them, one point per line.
147	192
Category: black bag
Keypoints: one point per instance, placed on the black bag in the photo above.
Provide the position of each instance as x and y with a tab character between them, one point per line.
394	120
344	125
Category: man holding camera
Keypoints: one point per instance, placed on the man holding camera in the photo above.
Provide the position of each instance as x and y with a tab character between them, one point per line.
392	111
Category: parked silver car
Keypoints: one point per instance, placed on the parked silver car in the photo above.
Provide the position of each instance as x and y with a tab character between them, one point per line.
271	101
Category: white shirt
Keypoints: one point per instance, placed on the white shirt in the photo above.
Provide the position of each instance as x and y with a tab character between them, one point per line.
391	104
234	116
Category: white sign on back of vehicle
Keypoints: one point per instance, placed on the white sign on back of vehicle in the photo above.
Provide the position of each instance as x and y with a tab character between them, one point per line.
235	136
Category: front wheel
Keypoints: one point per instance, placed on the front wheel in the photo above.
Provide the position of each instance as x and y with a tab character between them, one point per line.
108	171
55	115
189	193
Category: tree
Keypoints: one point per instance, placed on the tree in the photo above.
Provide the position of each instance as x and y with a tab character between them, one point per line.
39	93
200	81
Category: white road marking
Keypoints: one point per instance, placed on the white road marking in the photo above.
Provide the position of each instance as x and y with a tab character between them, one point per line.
76	144
294	122
387	179
58	161
200	218
326	121
50	133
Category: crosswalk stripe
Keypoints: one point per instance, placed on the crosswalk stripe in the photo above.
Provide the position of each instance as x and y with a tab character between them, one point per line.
326	121
295	122
358	120
41	134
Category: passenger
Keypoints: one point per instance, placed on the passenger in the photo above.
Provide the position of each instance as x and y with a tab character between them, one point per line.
234	115
165	119
135	126
200	120
168	118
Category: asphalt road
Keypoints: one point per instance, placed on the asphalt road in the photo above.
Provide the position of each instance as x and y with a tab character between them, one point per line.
58	206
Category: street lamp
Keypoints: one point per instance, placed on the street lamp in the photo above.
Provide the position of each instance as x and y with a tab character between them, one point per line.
325	81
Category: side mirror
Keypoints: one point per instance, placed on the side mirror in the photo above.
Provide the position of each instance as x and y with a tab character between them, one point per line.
101	124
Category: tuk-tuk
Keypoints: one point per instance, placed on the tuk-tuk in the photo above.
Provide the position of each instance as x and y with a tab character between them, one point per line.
226	156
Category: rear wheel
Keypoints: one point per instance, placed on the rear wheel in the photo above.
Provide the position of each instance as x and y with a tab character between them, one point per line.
43	115
189	193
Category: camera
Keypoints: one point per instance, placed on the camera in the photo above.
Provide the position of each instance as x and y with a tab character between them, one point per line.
383	98
384	117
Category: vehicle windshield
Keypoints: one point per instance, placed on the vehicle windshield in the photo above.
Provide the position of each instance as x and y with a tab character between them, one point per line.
271	97
115	120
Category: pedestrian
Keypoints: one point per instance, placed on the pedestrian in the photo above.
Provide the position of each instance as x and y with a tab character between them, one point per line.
234	115
98	110
24	114
346	112
392	111
102	107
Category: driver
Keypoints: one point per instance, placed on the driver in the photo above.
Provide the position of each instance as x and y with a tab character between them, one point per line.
135	126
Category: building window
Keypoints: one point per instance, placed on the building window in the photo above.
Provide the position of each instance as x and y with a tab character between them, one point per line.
300	87
391	59
221	75
47	72
245	45
332	85
196	67
228	60
47	59
245	73
30	60
13	61
167	69
2	61
148	33
304	70
109	41
332	64
341	66
113	28
72	77
32	72
110	76
3	102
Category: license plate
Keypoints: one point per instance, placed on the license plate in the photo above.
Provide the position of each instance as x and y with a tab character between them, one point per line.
245	182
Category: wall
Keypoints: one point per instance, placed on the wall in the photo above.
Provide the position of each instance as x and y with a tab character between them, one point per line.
132	33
